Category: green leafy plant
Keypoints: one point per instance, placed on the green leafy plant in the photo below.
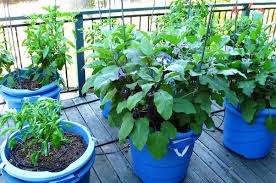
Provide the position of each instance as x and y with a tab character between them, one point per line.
47	47
43	118
95	32
6	60
252	61
157	83
178	14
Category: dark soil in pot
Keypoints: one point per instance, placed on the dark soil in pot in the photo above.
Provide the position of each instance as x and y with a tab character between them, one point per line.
27	84
57	160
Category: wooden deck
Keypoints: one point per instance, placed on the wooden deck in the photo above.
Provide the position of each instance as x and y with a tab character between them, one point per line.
210	161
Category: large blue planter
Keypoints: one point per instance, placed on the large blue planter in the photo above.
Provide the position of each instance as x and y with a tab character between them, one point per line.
78	171
170	169
251	141
15	97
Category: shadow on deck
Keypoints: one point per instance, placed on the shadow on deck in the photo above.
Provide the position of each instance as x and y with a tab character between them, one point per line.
210	161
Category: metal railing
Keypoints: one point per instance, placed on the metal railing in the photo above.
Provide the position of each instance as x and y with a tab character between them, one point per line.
143	18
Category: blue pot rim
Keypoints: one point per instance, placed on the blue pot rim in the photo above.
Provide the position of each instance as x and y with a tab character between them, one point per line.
22	92
236	111
46	175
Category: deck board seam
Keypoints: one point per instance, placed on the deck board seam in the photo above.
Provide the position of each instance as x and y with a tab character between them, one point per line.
99	147
240	160
220	162
77	107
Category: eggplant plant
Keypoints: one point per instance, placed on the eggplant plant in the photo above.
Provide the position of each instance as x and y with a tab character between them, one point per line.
252	61
157	83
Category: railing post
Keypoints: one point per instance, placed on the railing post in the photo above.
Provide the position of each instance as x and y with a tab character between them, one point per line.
80	56
247	10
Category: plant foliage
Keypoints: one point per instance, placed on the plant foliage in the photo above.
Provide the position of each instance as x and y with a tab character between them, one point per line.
43	118
47	47
252	60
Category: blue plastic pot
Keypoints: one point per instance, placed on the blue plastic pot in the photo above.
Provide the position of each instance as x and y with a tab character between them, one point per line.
78	171
15	97
106	108
170	169
251	141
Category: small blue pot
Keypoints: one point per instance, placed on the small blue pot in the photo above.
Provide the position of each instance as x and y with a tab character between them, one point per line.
78	171
172	168
251	141
106	108
15	97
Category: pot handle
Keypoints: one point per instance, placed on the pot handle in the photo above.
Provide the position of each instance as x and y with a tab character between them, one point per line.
32	99
70	178
189	140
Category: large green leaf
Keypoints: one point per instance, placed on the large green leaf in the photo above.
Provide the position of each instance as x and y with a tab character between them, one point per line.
164	103
261	78
168	129
126	127
109	96
270	123
209	122
139	134
88	84
107	74
219	84
183	105
196	127
247	87
134	99
248	110
272	101
121	106
204	100
157	145
174	39
146	47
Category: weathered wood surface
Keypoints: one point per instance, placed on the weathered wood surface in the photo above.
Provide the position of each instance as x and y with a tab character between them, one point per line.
210	162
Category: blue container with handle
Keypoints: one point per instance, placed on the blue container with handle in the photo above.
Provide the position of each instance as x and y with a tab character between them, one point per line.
15	97
172	168
252	141
78	171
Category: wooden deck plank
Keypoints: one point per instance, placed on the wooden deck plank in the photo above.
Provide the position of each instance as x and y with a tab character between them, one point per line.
258	168
232	161
96	108
202	169
217	165
93	175
117	160
102	166
112	131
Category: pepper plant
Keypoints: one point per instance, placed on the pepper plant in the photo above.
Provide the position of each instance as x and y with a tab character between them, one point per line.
179	13
252	55
43	118
157	83
47	47
6	59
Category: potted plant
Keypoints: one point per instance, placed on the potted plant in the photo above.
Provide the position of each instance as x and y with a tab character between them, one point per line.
42	147
161	95
47	48
250	123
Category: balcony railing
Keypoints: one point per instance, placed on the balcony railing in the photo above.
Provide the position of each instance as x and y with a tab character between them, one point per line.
143	18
